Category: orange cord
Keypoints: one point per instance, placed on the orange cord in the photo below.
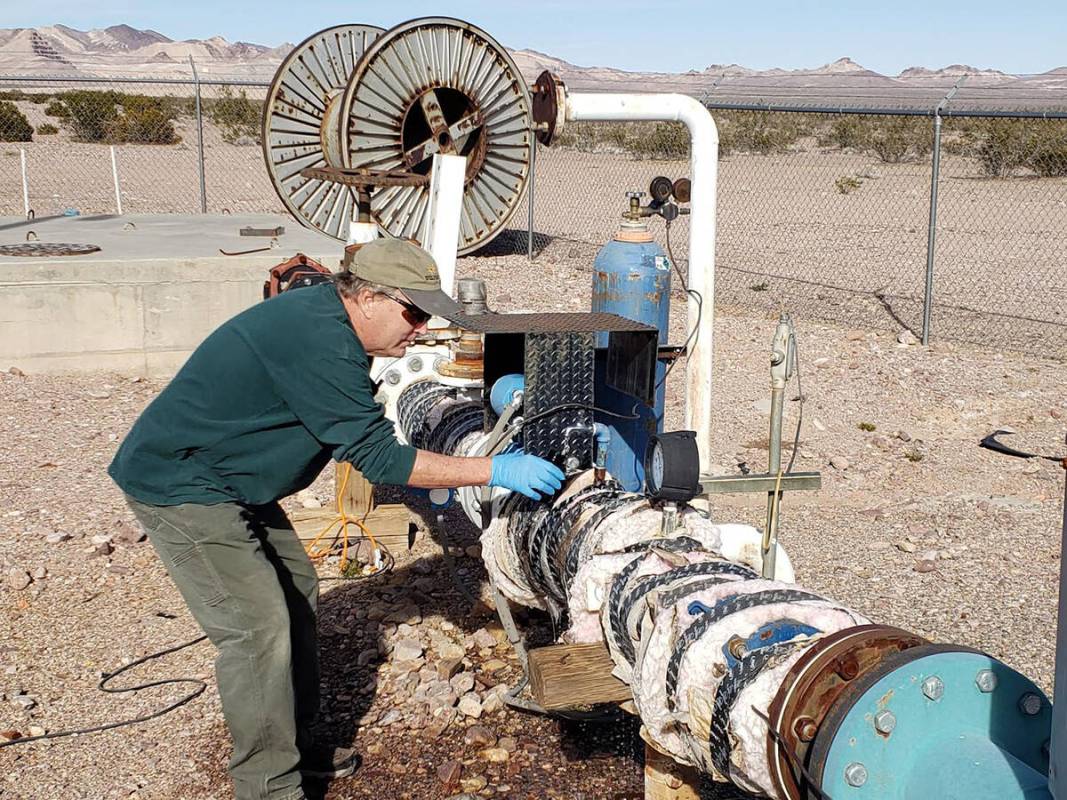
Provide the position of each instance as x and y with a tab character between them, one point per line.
344	521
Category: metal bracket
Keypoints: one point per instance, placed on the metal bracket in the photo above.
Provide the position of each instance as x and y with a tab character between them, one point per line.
248	230
761	483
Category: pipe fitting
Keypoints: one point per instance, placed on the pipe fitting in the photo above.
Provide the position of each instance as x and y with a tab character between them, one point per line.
933	688
855	774
885	721
986	681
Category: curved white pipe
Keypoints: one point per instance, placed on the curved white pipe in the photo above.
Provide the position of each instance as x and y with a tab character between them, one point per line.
704	169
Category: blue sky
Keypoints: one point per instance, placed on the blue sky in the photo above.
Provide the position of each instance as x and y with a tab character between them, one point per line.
669	35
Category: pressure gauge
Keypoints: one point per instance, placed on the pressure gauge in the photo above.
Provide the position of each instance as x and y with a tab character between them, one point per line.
672	466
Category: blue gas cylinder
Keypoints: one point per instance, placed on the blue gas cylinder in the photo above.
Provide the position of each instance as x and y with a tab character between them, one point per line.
631	278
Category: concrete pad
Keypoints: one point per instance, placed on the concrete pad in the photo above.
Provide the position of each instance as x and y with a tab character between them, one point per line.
150	295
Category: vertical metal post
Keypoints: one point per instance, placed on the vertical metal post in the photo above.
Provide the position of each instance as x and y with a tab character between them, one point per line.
781	370
530	201
115	179
25	184
931	234
1057	778
199	138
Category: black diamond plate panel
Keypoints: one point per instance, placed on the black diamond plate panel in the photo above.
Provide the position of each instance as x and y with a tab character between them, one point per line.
588	322
559	372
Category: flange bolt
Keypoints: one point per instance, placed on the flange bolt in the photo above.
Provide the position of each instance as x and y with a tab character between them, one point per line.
885	721
933	688
415	364
1030	704
986	680
392	377
855	774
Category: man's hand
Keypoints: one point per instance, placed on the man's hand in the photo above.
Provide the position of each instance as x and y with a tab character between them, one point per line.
526	474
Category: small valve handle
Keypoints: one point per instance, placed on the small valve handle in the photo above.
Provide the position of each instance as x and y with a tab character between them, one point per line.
634	195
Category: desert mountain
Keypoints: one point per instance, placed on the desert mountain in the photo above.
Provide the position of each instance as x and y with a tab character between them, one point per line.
122	51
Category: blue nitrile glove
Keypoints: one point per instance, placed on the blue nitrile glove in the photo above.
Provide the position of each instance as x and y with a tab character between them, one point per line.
526	474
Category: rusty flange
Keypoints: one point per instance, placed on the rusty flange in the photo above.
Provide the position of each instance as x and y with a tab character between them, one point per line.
548	106
814	686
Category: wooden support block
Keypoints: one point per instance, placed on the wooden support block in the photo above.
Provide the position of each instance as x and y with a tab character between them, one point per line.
358	491
570	675
666	779
388	523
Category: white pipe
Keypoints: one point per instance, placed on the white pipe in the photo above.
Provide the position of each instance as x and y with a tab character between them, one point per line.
25	185
441	226
704	169
115	178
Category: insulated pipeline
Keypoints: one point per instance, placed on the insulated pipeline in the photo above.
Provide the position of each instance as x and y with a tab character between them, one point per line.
742	677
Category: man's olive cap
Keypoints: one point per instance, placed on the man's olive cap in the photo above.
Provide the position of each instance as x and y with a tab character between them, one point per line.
406	266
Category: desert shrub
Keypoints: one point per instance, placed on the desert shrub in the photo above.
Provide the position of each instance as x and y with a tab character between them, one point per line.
1001	146
144	120
14	127
57	108
847	131
113	117
762	132
19	94
236	115
93	115
847	184
665	140
899	139
48	129
1047	148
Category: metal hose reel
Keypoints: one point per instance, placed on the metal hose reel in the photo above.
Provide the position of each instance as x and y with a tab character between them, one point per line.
302	108
432	85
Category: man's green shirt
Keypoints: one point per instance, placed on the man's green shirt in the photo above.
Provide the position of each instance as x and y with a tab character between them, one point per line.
260	408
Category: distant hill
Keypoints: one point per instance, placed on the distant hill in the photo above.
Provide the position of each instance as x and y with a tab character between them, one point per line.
123	51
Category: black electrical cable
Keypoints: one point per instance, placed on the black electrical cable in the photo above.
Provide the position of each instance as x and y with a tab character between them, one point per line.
692	293
813	785
572	406
107	677
800	393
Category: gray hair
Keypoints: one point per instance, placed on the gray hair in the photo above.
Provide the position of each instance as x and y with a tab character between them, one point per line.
348	285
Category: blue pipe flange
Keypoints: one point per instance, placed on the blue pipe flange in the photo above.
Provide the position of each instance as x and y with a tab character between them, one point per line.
936	721
504	390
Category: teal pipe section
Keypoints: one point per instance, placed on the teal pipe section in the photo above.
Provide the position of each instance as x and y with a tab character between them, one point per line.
968	767
942	723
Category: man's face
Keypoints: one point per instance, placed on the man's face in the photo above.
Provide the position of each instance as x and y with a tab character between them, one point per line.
389	322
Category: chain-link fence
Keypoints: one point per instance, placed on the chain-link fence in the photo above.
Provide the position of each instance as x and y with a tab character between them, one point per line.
153	146
828	215
824	214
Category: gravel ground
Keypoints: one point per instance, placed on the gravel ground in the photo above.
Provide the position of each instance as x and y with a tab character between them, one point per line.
909	486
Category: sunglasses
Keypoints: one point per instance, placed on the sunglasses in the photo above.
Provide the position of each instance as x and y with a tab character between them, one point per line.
414	314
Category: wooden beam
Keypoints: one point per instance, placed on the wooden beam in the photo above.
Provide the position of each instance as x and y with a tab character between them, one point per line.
389	523
666	779
359	492
571	675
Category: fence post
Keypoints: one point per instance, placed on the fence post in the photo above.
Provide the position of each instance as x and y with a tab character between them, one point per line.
530	201
931	233
25	184
199	138
115	178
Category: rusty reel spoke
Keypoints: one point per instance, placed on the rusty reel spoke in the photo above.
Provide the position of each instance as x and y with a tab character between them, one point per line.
300	120
440	85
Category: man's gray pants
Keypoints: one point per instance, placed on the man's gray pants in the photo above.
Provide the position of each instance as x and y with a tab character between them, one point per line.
249	584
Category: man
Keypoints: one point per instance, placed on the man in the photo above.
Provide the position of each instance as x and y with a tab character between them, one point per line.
255	414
